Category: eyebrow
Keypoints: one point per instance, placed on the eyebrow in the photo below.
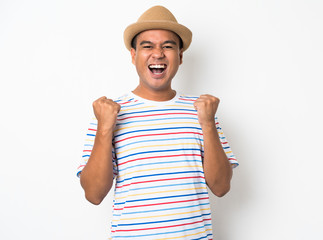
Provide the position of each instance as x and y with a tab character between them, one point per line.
145	42
166	42
171	42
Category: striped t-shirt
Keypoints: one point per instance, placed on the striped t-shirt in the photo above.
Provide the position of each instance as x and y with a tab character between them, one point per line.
160	190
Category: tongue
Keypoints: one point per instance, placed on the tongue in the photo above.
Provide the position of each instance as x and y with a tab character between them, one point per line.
157	70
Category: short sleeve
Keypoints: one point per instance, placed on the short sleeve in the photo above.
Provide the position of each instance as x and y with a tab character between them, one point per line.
225	145
88	146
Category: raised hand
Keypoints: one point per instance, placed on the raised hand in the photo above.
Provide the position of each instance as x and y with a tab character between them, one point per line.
106	112
206	106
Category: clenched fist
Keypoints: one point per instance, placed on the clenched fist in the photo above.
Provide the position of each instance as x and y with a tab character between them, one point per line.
106	112
206	106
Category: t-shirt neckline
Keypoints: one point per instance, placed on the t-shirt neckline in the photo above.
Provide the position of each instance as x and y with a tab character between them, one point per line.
159	103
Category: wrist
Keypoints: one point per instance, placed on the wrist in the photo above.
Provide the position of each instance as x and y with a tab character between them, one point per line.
104	131
208	126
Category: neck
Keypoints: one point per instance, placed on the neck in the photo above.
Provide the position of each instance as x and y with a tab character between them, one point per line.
155	95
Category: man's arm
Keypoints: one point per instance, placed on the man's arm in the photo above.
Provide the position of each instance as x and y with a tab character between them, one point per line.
97	176
217	169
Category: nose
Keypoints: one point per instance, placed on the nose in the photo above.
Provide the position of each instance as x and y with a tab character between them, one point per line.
158	52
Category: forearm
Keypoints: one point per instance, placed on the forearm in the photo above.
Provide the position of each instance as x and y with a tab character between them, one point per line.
97	176
217	169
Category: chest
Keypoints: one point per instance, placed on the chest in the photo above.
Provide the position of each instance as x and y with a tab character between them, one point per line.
157	138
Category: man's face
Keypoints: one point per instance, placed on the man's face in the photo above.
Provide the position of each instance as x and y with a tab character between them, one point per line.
157	58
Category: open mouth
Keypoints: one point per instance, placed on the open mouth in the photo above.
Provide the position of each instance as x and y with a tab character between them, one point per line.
157	68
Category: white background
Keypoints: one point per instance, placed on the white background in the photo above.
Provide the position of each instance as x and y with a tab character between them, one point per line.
263	59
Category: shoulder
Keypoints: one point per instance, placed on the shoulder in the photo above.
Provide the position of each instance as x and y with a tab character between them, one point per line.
188	97
127	101
123	98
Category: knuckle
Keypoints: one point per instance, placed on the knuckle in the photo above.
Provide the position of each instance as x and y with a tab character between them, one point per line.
95	103
215	99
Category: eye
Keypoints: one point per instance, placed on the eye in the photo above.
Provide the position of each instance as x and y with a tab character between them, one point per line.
168	46
146	46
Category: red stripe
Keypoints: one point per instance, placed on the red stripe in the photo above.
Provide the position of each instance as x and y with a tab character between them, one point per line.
157	134
158	180
192	100
160	114
87	150
156	204
80	166
121	230
124	102
91	129
179	155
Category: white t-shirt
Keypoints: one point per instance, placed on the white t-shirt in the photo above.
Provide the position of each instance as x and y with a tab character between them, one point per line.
160	190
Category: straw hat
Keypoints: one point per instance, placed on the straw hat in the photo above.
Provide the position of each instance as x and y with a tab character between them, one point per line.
157	17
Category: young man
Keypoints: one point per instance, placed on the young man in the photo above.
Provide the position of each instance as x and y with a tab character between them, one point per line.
163	148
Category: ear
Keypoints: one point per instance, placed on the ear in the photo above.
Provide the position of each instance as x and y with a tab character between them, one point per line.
133	55
180	56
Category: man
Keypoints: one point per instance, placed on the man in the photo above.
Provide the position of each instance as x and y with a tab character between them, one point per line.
162	148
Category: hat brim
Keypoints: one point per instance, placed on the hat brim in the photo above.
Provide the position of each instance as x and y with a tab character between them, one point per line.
132	30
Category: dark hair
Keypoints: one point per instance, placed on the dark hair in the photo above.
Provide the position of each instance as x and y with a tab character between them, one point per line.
134	41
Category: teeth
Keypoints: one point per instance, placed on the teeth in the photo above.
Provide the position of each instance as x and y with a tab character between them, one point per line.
157	66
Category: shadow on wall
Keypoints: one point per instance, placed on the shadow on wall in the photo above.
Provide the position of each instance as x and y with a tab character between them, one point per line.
234	203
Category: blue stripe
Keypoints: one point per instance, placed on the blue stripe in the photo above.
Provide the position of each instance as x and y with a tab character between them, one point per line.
159	151
158	129
123	100
170	185
133	105
159	174
163	210
171	220
156	140
182	102
162	233
159	110
236	164
150	199
206	237
154	163
158	119
193	97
